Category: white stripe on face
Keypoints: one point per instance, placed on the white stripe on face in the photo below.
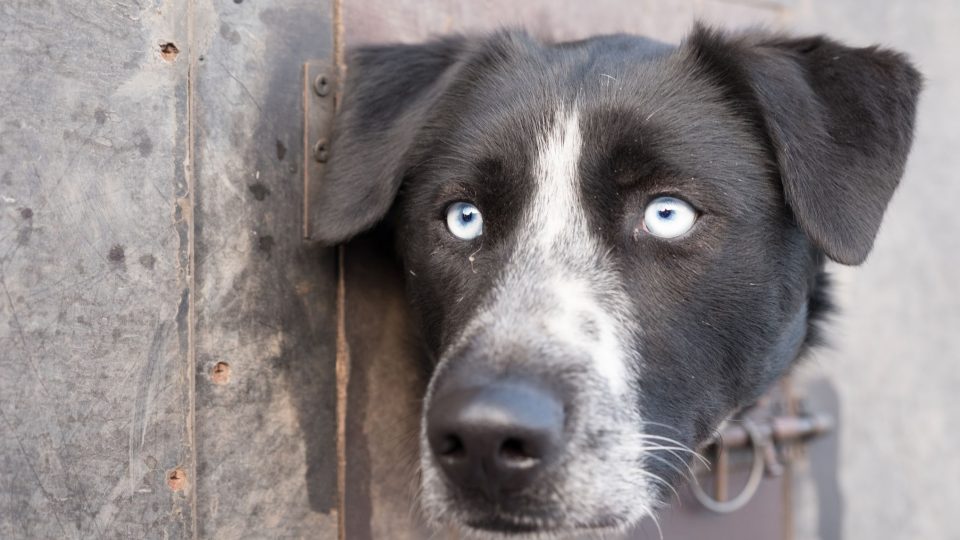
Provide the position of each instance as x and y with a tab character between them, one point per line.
557	288
573	255
556	209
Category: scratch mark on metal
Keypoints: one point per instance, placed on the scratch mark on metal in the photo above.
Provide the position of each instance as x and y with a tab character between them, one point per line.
245	89
143	404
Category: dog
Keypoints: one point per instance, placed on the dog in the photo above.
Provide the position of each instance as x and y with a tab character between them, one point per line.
610	245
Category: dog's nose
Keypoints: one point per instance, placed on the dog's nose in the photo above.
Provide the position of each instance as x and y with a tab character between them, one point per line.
495	437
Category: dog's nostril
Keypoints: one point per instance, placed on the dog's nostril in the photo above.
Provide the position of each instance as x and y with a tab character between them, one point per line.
515	453
452	447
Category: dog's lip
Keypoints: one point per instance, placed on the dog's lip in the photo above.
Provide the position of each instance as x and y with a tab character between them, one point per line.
507	526
501	525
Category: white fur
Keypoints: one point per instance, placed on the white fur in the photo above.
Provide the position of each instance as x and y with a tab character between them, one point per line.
557	225
556	214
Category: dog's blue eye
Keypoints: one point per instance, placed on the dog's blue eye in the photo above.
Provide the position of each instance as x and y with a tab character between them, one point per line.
668	217
464	220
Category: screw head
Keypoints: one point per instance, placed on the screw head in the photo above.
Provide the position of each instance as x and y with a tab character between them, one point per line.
321	85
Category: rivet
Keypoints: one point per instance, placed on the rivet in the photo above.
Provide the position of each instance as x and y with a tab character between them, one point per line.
321	85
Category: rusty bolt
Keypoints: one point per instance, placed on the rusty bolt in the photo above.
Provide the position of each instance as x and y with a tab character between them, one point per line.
321	85
320	151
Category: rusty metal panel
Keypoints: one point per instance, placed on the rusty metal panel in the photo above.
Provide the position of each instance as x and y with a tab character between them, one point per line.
94	294
265	311
166	338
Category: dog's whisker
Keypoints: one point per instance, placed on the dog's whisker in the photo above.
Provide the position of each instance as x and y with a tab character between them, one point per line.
676	444
652	454
646	448
656	478
680	447
693	454
656	523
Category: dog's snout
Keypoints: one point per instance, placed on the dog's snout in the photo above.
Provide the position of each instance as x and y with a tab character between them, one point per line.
495	437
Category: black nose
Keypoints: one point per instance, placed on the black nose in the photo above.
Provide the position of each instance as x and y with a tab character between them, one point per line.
495	437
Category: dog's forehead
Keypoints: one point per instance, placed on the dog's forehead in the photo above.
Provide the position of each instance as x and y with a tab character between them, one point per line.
623	94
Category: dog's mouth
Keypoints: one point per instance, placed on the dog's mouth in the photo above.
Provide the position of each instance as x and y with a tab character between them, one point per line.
533	515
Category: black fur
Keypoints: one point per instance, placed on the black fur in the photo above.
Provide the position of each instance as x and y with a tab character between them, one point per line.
839	121
790	149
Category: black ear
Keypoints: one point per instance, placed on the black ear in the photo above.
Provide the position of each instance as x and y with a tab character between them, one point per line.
386	98
839	121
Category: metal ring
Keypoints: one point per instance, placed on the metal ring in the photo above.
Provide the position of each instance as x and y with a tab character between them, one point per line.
749	490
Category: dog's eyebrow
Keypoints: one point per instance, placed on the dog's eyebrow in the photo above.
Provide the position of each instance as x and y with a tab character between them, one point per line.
454	188
640	169
629	164
623	147
486	178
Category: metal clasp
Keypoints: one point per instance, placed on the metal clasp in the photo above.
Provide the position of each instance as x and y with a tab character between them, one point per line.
763	440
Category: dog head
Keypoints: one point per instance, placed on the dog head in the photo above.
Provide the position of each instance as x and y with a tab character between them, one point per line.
611	245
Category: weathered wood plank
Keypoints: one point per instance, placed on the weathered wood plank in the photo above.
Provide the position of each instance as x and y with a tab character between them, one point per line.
266	432
94	403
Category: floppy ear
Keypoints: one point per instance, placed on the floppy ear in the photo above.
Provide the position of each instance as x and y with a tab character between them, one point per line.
839	121
386	98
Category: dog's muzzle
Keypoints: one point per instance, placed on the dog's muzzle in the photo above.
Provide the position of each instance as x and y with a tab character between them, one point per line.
492	438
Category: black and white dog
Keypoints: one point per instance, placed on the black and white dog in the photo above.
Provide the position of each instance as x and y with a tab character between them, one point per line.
611	244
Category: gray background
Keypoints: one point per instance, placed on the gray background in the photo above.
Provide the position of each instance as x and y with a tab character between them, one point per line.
895	358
